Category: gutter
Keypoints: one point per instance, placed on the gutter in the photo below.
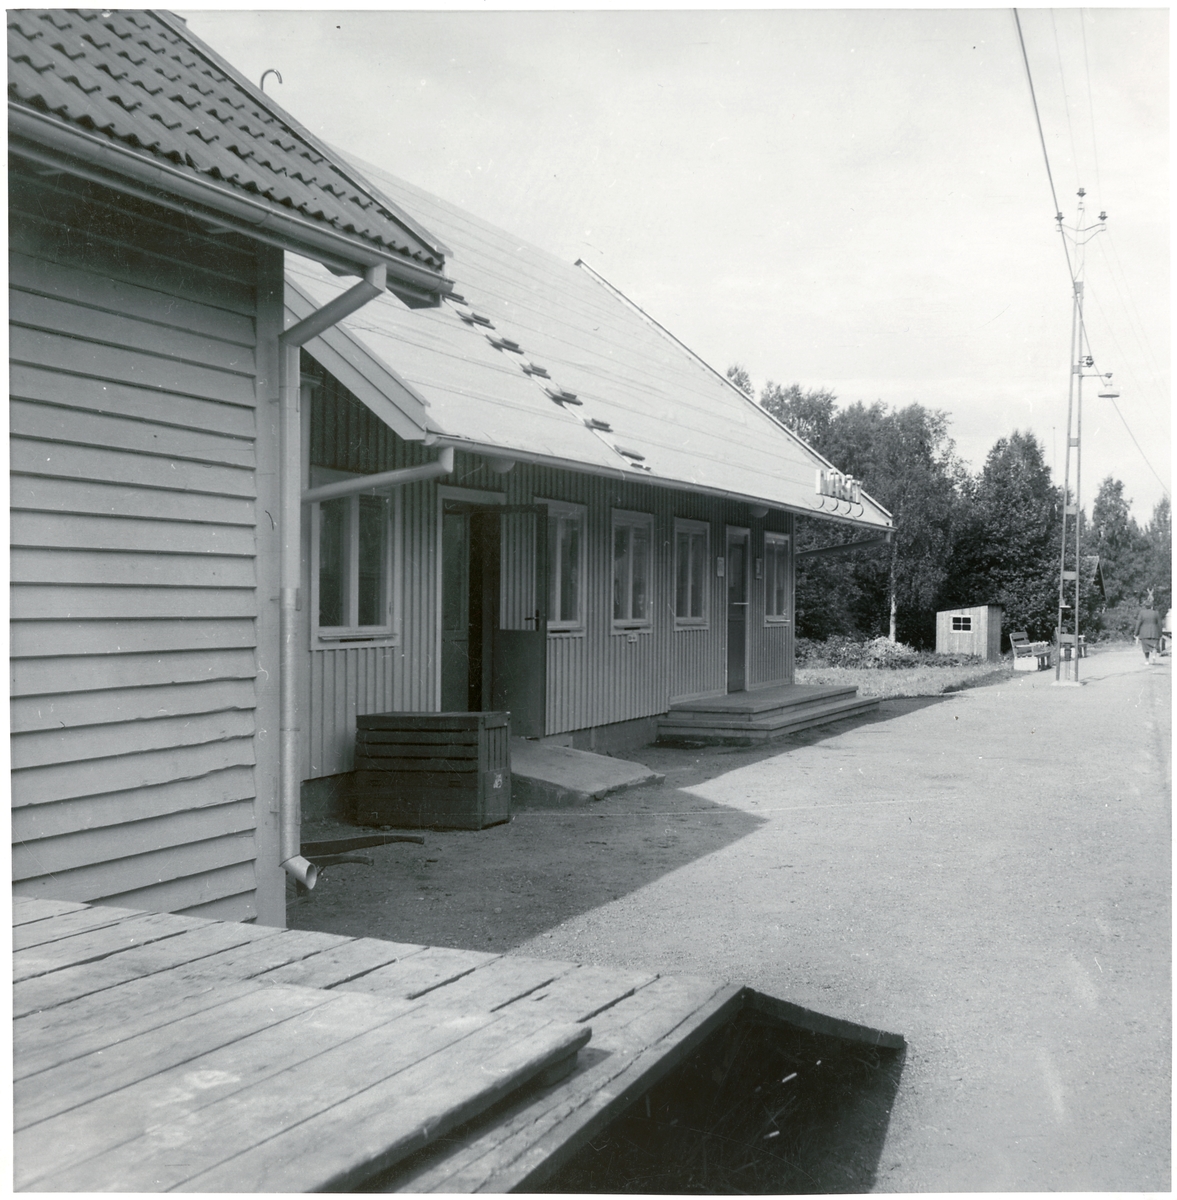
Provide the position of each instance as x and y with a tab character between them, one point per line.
107	163
290	556
843	548
488	450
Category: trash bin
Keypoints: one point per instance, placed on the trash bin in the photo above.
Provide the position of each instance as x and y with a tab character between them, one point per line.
433	770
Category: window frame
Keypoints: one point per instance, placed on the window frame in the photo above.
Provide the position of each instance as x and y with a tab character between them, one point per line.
962	623
387	633
628	519
563	510
775	538
693	527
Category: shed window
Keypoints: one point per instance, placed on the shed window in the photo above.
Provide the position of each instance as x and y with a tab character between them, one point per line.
352	542
962	624
776	576
632	540
565	565
691	554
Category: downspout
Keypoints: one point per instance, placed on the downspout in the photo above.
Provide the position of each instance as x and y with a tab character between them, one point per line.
290	561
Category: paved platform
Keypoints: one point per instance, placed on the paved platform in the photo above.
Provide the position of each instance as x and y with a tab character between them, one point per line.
548	776
157	1052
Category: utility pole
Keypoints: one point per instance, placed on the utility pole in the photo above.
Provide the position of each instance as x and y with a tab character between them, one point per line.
1066	665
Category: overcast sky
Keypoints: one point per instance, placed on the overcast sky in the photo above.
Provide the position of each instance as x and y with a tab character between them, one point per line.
846	199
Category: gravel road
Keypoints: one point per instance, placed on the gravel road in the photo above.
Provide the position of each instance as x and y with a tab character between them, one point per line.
987	873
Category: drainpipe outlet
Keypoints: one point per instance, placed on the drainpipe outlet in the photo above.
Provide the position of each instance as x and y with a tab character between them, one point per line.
302	870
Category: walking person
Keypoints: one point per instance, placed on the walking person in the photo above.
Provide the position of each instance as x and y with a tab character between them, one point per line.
1148	629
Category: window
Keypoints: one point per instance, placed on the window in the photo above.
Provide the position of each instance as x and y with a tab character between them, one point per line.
691	577
565	565
352	552
962	624
776	576
632	542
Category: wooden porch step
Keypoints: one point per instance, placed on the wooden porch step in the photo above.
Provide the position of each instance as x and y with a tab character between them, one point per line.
729	729
764	700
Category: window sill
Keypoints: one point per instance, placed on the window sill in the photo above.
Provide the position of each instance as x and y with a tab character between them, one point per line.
681	626
777	621
618	630
363	640
575	631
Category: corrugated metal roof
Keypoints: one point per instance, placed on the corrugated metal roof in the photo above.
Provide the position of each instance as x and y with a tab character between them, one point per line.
142	81
660	401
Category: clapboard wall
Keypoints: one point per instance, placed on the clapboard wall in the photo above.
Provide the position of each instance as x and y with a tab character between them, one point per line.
595	677
138	597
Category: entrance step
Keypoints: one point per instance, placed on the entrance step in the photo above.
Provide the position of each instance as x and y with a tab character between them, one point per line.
748	718
548	776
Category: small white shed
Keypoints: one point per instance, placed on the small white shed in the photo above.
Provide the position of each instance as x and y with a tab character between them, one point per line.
970	631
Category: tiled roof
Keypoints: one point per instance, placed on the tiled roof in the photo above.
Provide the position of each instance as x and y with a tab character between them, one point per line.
536	357
140	79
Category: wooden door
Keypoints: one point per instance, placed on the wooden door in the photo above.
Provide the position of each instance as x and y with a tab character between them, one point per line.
520	635
736	571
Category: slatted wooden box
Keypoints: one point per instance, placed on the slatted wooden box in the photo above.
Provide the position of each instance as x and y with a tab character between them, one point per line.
433	770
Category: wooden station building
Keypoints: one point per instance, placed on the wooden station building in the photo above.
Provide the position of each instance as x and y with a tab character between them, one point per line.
253	499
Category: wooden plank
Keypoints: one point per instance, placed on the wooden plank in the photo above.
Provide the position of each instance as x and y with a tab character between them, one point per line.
518	1151
58	425
389	764
62	782
106	845
499	983
587	991
91	324
434	753
223	869
402	1107
67	924
421	973
250	961
126	1139
98	943
94	813
183	957
55	279
64	602
129	704
106	1071
120	365
48	1039
33	677
110	464
416	737
80	532
39	748
38	493
44	639
437	722
31	908
336	966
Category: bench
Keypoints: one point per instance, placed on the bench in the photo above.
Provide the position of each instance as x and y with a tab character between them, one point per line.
1028	655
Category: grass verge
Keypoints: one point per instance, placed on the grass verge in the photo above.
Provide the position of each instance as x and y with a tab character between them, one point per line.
890	683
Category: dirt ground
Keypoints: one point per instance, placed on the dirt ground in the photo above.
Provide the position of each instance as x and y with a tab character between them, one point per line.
987	873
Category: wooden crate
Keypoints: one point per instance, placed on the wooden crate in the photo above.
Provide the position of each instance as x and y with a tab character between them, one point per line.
433	770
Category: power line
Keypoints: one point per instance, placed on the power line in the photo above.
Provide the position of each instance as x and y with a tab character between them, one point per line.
1058	50
1042	140
1090	102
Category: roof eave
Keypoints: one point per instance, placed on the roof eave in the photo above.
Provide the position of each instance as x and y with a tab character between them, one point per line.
53	143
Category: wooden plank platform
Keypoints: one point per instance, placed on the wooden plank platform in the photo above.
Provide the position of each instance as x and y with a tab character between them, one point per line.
157	1053
761	715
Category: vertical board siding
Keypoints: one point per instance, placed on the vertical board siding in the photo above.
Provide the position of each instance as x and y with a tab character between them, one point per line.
132	427
594	676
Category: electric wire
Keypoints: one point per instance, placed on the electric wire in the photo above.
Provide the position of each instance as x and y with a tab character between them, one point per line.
1042	140
1086	340
1066	105
1128	301
1090	101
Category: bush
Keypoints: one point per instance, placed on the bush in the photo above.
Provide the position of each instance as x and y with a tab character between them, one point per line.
878	653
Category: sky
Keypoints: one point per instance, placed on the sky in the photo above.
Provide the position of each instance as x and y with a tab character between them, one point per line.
848	199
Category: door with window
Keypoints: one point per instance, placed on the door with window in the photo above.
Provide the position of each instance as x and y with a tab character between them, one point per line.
736	574
494	612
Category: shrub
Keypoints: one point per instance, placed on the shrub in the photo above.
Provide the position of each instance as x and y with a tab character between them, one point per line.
878	653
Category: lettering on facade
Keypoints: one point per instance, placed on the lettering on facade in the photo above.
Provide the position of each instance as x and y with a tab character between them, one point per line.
837	485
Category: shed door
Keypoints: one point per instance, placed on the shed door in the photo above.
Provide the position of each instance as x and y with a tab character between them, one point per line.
519	648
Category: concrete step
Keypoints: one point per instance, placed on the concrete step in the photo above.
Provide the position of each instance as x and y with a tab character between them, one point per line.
730	732
549	776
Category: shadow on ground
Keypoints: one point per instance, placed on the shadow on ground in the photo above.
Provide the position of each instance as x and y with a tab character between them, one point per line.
495	888
757	1109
